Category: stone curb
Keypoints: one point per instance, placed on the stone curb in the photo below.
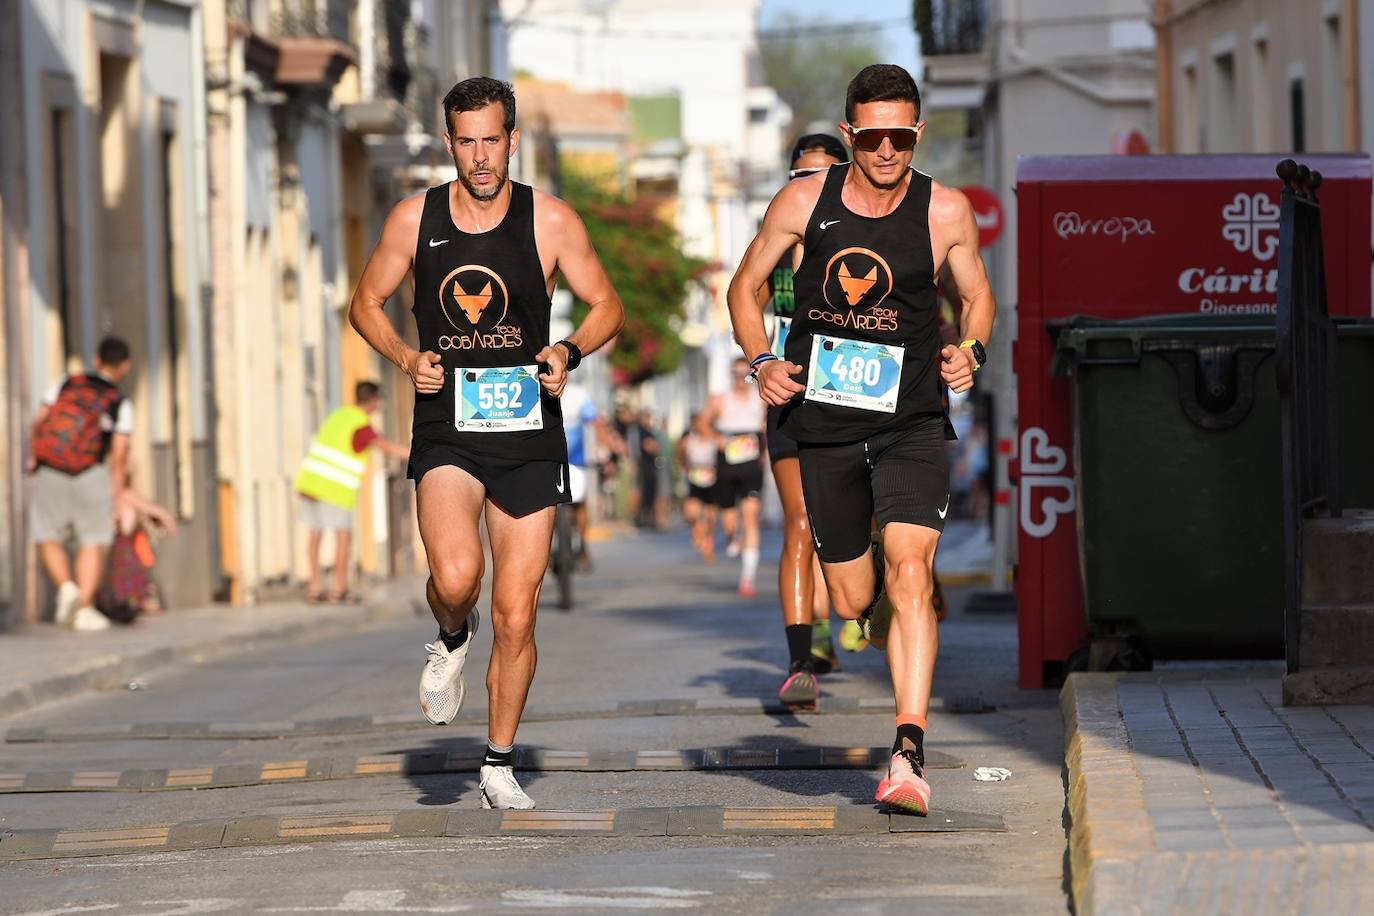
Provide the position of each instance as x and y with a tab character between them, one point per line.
1109	824
116	670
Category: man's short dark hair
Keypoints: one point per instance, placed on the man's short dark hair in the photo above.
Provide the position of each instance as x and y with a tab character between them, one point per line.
366	391
476	93
113	351
881	83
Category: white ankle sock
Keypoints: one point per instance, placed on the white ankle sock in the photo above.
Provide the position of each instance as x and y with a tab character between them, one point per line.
751	565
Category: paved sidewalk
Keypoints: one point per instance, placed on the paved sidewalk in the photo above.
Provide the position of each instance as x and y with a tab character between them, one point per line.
1196	791
43	663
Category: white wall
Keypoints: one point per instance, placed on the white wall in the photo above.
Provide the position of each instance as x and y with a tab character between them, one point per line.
54	40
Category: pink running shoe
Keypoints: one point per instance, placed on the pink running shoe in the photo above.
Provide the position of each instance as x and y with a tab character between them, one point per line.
905	787
800	689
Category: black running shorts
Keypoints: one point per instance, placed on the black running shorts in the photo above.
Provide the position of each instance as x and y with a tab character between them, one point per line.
735	482
705	495
896	476
519	486
780	445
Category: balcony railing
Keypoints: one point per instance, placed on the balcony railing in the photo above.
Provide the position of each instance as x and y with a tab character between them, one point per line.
951	26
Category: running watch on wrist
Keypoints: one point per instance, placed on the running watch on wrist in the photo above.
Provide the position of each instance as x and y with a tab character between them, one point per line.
980	355
574	354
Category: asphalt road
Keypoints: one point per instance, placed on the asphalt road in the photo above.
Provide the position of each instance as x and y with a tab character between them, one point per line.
651	624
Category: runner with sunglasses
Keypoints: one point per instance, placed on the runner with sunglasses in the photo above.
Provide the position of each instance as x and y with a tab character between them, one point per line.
805	606
860	379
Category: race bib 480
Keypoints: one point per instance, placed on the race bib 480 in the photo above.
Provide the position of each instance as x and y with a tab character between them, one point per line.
497	400
854	373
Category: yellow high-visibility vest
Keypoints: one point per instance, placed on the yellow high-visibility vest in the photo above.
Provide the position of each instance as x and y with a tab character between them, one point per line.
332	471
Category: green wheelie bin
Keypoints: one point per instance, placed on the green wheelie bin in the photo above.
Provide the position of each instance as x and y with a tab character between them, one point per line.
1177	465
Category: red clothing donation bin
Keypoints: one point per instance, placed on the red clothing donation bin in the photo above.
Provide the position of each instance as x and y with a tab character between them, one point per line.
1121	237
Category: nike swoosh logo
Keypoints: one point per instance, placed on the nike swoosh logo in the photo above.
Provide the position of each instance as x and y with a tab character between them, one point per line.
561	484
945	510
826	224
435	243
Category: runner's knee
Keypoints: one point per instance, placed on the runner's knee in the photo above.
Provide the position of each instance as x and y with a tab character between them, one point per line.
456	582
512	627
909	583
796	534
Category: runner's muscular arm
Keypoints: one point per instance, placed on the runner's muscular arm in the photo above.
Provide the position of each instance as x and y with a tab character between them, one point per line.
952	215
783	227
560	226
391	260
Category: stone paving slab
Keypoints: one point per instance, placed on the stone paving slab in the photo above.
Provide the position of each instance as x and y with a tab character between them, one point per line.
1196	792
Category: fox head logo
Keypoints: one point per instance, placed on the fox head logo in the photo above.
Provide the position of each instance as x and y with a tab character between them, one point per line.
476	291
855	287
856	279
472	305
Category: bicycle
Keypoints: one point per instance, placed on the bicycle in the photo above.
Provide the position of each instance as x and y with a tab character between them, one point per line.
563	555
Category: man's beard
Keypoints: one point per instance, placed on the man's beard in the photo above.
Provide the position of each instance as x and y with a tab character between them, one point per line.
488	192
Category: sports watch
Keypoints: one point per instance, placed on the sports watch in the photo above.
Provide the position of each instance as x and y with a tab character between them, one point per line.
980	355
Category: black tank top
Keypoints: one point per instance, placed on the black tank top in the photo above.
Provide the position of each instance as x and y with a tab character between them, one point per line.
868	279
481	302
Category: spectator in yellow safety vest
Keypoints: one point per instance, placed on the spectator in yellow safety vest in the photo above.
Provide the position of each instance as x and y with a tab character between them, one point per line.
328	484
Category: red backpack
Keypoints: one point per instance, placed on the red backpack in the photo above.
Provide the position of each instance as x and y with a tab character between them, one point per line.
73	436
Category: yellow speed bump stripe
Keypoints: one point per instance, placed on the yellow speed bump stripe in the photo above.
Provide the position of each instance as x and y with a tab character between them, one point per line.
76	841
316	769
802	819
345	825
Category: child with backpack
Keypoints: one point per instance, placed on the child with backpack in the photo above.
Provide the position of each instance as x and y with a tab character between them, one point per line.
79	465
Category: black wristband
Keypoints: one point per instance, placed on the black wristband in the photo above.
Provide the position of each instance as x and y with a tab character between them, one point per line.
574	354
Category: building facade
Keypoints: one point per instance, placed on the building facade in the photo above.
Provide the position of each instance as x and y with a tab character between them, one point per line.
111	223
1258	76
205	178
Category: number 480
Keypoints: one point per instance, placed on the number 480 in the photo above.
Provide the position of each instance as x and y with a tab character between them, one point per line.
856	370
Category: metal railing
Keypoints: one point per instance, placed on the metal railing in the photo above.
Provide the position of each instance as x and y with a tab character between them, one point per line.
1305	344
951	26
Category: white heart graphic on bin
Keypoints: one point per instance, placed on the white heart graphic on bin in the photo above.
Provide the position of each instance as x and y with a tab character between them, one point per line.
1038	456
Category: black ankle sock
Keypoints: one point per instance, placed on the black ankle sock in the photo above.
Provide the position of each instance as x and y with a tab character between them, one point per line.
499	757
452	641
911	738
798	643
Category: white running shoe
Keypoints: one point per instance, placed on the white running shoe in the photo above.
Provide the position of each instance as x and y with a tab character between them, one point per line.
441	683
68	600
89	620
500	790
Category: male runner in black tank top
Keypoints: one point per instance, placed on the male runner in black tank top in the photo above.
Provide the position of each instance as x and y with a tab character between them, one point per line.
482	253
860	378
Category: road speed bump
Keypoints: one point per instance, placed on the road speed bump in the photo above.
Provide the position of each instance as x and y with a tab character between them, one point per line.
377	825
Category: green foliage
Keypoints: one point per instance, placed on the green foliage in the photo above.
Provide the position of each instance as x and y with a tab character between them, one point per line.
812	70
645	262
